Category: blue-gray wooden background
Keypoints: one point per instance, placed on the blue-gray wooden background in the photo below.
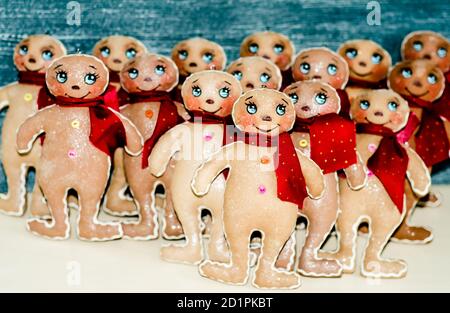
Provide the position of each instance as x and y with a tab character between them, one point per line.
160	24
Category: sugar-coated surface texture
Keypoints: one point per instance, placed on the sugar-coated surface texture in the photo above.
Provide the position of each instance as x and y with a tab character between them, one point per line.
160	24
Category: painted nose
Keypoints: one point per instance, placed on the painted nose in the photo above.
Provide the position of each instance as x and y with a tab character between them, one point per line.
32	60
250	85
317	77
265	56
379	113
148	79
210	101
427	56
266	118
363	64
117	61
417	83
76	87
193	64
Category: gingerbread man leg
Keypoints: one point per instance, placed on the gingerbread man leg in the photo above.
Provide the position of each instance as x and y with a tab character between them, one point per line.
321	215
38	205
171	228
117	203
286	259
217	246
89	228
59	227
411	234
13	203
143	190
382	228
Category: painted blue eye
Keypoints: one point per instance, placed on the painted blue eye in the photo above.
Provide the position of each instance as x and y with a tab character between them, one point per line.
105	52
406	72
417	45
47	55
196	91
321	98
251	108
442	53
281	109
294	97
182	54
61	77
264	78
237	74
351	53
278	48
305	67
224	92
208	57
253	48
90	79
131	53
160	70
376	58
133	73
332	69
432	79
364	104
23	50
392	106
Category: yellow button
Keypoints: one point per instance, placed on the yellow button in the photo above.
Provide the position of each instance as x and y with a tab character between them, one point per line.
75	124
28	96
303	143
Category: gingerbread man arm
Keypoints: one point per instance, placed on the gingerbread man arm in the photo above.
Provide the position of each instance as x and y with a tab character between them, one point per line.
182	111
135	141
164	149
315	183
356	174
31	129
417	173
210	169
4	101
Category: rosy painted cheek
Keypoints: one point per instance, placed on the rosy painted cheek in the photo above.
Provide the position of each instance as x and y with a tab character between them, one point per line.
192	103
396	118
58	90
227	105
246	120
282	60
285	124
359	115
336	82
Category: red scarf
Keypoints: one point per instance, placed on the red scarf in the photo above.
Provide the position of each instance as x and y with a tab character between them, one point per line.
431	140
114	77
345	103
107	130
167	117
382	84
389	162
333	141
291	186
45	98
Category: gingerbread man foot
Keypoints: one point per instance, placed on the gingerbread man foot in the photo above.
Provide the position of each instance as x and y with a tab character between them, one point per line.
188	254
225	273
384	268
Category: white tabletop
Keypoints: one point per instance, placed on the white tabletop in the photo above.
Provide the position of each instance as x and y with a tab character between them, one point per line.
29	263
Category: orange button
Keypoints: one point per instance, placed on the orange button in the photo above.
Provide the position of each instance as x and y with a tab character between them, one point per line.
149	113
265	160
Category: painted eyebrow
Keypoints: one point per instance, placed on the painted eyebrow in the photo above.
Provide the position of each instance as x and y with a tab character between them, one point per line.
132	63
49	47
249	97
58	66
227	82
268	69
195	81
103	42
284	101
92	66
323	90
304	57
335	60
239	64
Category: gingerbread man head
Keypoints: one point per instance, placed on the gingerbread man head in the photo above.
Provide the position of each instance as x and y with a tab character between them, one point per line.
417	78
211	92
149	72
382	107
256	72
312	98
269	45
266	112
198	54
367	60
117	50
77	76
321	64
427	45
35	53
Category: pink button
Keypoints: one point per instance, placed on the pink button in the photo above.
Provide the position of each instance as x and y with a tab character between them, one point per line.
262	189
369	173
72	153
208	136
372	147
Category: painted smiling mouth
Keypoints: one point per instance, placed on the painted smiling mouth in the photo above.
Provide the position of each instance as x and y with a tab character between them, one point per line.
211	112
144	90
382	124
67	95
416	95
362	75
33	70
266	131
